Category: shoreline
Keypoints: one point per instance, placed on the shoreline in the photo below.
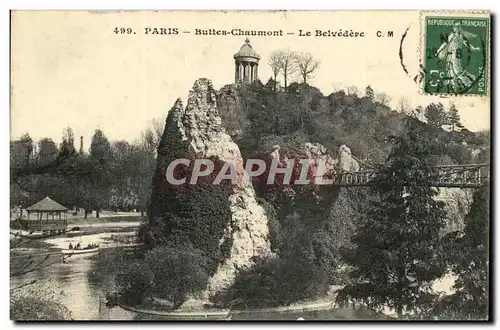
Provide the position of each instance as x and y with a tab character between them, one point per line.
343	313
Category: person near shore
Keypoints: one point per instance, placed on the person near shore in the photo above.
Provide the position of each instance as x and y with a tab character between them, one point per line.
70	246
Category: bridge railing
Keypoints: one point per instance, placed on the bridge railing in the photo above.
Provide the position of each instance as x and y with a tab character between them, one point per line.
359	178
459	176
469	175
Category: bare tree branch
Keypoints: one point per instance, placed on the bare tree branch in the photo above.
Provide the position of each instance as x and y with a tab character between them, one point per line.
23	285
383	99
275	64
306	64
287	64
352	90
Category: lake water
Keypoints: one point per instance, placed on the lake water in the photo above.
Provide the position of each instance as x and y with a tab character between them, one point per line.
68	282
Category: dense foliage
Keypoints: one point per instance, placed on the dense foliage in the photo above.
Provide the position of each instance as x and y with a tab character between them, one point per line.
395	251
398	249
470	257
258	116
172	273
35	302
304	234
113	175
196	214
472	268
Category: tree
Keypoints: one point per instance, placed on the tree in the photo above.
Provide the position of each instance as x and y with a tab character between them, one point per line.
352	90
471	298
69	136
100	148
27	143
404	106
122	172
399	251
336	87
151	136
100	159
47	151
435	115
179	272
383	99
143	166
67	146
287	64
46	171
369	92
306	64
275	64
454	118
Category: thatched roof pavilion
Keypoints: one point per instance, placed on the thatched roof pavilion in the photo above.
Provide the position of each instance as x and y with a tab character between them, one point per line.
51	208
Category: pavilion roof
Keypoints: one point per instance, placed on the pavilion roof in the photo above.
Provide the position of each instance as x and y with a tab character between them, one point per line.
246	51
46	205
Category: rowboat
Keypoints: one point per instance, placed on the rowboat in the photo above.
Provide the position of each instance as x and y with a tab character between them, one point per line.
79	251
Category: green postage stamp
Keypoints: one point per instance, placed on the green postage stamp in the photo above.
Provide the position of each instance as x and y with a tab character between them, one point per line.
456	55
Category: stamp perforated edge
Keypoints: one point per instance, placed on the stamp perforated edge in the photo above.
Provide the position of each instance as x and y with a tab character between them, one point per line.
460	13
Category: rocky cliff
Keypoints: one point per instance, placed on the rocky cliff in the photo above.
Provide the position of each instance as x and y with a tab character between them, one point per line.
197	131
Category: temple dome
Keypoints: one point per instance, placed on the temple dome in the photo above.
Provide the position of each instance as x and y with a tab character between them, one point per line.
247	51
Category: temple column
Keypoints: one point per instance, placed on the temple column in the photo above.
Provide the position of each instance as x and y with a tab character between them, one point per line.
236	69
256	71
240	69
248	72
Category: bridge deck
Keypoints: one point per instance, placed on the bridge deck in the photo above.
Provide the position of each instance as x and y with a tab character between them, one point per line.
449	176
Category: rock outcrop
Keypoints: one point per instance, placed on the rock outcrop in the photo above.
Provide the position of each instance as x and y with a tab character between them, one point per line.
197	130
229	105
317	198
457	204
346	162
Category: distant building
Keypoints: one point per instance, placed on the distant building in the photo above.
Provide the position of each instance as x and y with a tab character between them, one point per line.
246	64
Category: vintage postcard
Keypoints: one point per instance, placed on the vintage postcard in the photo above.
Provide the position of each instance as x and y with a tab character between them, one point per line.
250	165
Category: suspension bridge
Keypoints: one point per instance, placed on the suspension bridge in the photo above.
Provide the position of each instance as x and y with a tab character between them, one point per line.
450	176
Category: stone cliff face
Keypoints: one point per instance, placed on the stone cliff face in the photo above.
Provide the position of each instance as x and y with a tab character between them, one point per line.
457	205
307	208
197	130
346	162
229	105
317	157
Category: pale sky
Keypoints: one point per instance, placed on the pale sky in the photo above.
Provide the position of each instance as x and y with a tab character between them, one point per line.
70	68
